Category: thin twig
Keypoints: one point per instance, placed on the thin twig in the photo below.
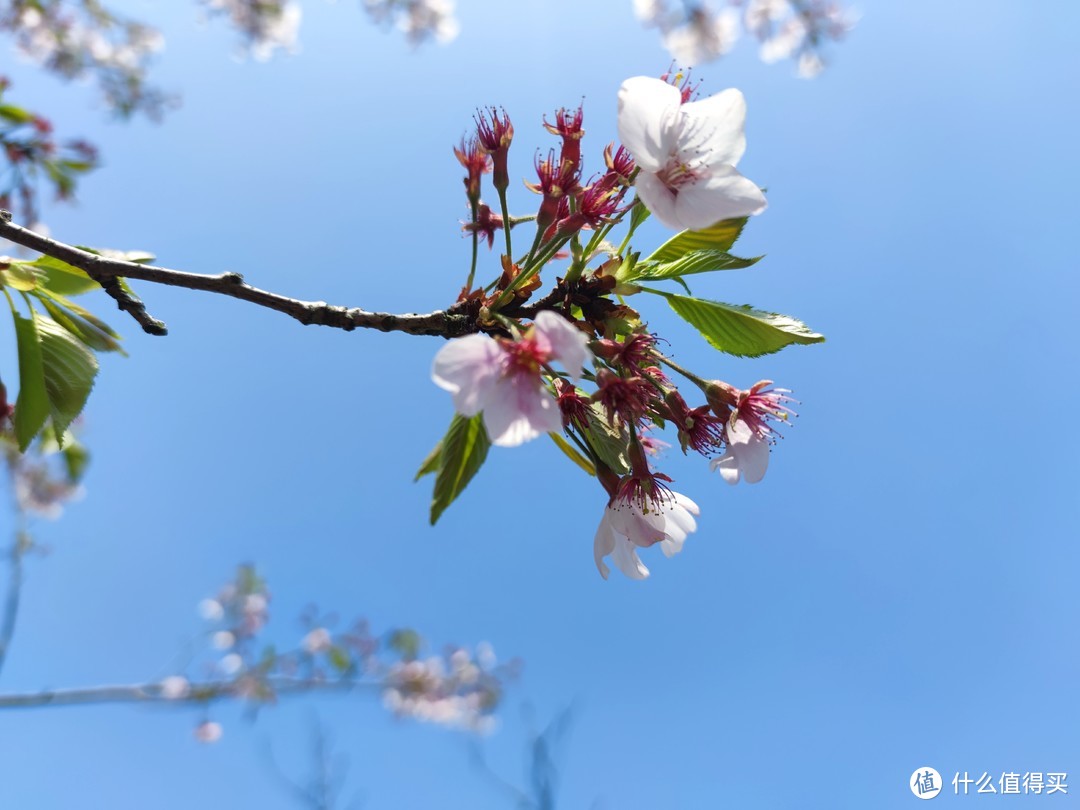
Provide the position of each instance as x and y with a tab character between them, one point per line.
452	322
198	693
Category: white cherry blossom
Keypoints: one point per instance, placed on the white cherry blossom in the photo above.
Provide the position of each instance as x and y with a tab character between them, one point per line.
687	153
747	455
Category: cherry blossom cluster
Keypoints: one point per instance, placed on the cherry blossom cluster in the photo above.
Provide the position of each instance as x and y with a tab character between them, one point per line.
579	363
418	20
30	152
46	479
80	38
703	31
459	688
265	25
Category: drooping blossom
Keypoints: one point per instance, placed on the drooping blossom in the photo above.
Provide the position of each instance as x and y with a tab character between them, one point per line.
501	378
746	457
208	732
687	153
630	523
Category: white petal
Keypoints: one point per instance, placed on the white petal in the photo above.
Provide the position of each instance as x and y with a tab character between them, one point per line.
660	200
566	342
712	129
646	122
468	367
688	505
728	466
724	194
603	544
519	410
626	560
628	521
753	459
671	547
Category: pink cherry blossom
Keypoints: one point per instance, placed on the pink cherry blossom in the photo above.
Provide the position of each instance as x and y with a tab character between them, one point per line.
687	153
502	378
628	525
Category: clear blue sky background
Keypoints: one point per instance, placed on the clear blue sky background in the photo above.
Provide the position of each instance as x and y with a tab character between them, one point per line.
900	591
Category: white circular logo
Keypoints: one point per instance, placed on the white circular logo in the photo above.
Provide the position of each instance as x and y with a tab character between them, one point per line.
925	783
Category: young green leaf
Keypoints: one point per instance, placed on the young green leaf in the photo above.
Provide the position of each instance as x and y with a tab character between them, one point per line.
464	449
21	276
696	261
70	369
63	278
573	454
609	443
430	464
85	326
720	236
741	330
32	406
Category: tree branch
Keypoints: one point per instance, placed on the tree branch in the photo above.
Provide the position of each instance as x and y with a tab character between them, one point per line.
107	272
11	602
198	693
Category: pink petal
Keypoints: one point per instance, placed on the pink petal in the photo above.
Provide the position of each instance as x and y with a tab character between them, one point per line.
566	342
519	410
603	544
647	120
468	367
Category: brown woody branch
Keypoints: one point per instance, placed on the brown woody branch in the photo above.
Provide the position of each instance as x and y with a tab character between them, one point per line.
448	323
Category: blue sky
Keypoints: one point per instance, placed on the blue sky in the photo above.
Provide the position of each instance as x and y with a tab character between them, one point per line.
900	591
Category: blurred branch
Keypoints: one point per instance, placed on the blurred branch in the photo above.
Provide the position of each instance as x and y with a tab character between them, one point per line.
159	692
14	593
452	322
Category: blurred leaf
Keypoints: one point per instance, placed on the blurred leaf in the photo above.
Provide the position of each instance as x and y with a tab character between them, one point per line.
741	330
339	659
608	442
696	261
86	327
63	278
32	406
720	236
137	256
16	115
70	369
21	276
76	459
464	449
406	643
572	453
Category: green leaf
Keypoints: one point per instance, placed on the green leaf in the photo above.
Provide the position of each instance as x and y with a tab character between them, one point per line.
63	278
137	256
85	326
572	453
406	643
741	330
339	658
464	449
608	442
32	406
76	458
431	463
16	115
697	261
70	369
720	236
21	276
